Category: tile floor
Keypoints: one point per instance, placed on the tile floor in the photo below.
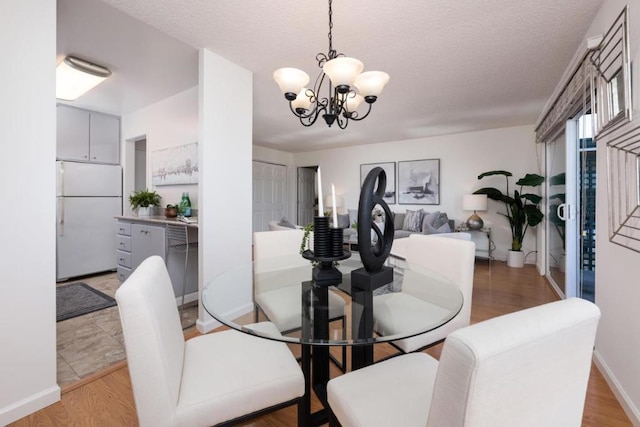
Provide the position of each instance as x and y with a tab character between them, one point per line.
87	344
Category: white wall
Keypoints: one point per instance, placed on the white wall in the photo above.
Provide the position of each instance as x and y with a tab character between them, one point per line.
617	268
462	158
169	123
225	152
27	172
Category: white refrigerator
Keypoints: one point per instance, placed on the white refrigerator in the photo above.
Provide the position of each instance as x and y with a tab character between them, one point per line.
88	198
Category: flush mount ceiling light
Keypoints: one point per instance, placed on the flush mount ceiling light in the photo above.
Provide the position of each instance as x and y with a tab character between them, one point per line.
345	75
75	76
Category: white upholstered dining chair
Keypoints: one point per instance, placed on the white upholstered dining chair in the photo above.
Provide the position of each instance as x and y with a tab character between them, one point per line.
528	368
208	380
452	258
275	250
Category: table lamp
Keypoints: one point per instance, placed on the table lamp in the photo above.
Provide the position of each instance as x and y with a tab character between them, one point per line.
328	203
474	202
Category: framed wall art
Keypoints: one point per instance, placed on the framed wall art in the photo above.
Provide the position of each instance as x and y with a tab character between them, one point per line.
390	169
419	182
175	165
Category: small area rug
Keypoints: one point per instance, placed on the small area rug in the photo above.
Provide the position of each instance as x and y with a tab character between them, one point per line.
79	298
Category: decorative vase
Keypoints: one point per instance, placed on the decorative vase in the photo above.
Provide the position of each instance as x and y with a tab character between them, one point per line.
145	211
515	259
171	212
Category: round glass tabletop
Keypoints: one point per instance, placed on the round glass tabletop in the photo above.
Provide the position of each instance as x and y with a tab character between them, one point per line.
356	310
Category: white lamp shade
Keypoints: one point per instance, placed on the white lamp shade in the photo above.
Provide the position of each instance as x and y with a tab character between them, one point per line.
343	70
474	202
371	83
328	202
75	77
290	80
353	101
303	100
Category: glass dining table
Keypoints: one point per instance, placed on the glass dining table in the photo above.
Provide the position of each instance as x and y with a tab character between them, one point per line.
302	305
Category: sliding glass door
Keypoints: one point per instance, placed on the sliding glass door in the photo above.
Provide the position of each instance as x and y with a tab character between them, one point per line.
570	219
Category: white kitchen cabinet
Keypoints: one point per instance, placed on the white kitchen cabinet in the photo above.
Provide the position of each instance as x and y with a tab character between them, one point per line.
72	139
87	136
123	250
138	239
146	240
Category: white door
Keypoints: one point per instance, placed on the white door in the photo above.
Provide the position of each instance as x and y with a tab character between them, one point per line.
306	195
269	194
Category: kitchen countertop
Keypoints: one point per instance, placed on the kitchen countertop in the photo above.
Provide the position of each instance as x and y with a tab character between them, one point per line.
158	219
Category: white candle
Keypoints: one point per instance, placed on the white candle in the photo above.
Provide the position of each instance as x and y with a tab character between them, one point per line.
335	207
320	206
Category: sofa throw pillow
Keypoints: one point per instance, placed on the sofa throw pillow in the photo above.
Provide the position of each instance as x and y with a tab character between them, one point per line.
442	229
284	222
429	218
441	220
413	220
398	221
343	221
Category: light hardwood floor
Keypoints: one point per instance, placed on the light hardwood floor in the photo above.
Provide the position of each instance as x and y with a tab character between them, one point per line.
106	399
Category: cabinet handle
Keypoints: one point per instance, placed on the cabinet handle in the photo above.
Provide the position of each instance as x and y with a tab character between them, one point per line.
122	229
121	259
94	157
121	243
85	157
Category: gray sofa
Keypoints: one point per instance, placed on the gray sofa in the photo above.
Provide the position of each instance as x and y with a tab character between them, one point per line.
418	222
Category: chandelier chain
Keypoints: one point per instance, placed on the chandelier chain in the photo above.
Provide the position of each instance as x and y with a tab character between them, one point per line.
330	27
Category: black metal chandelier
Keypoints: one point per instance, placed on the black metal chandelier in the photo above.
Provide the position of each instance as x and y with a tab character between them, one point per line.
348	87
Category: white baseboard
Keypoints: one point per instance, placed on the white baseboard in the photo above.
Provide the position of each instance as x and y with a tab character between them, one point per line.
29	405
210	323
625	401
187	298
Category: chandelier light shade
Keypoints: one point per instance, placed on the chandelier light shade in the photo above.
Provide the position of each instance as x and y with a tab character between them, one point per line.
291	81
75	77
348	88
371	83
342	72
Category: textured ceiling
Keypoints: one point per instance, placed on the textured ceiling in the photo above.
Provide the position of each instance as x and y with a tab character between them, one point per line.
455	66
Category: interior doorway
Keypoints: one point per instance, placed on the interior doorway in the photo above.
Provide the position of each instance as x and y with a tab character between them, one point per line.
307	198
140	162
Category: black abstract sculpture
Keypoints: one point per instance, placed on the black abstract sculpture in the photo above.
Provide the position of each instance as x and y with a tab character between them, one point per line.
374	256
374	274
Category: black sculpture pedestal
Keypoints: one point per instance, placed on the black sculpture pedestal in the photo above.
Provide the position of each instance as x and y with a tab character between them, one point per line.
363	283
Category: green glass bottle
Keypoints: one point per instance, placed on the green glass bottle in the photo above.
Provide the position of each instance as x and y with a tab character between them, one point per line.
187	204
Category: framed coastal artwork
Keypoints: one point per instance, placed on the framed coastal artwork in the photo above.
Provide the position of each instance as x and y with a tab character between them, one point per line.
419	182
390	170
175	165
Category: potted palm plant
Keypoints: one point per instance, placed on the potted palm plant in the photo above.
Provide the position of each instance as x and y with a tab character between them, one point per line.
143	202
522	210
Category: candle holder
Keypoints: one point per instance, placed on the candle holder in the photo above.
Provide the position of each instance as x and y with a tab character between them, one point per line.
327	248
321	239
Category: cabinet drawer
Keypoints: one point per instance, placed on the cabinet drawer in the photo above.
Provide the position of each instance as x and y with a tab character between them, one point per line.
123	228
123	243
123	258
123	273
